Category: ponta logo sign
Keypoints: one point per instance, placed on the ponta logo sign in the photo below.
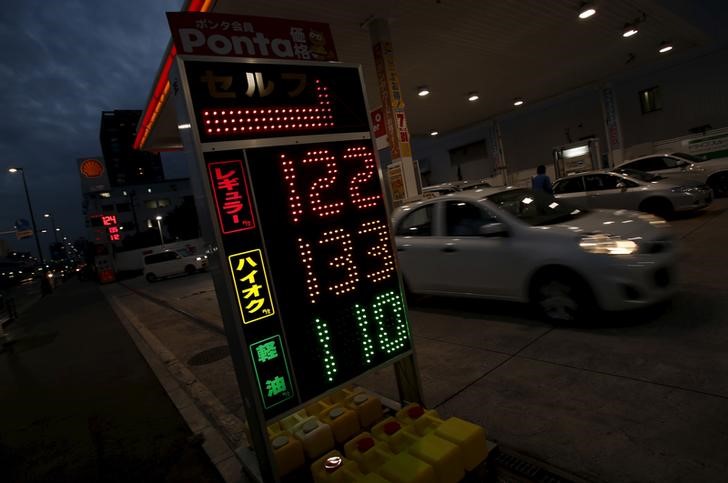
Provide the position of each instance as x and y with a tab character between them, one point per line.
238	45
257	45
247	36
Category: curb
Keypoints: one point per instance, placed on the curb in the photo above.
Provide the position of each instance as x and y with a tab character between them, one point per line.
198	406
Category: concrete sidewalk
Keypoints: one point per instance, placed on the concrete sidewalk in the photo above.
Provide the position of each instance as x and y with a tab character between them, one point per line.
79	403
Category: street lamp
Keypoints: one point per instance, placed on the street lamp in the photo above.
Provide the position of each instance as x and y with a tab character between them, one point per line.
159	225
30	207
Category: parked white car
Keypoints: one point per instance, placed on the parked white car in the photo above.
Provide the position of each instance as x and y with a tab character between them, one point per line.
169	263
633	190
713	172
514	244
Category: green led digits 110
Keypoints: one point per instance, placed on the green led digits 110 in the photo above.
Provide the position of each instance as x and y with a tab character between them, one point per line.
390	340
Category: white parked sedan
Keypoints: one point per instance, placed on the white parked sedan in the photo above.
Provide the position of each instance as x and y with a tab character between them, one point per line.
170	263
633	190
713	172
514	244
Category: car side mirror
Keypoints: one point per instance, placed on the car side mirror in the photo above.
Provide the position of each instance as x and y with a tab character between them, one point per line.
622	186
493	229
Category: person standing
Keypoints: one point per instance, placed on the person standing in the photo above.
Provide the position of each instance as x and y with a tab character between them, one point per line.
541	182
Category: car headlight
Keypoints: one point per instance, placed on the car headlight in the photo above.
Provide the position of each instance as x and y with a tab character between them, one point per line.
198	258
686	189
607	244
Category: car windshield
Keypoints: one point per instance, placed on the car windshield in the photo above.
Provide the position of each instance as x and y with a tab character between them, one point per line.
535	208
640	175
690	157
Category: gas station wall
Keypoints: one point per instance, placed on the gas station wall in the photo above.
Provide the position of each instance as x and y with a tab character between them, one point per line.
693	94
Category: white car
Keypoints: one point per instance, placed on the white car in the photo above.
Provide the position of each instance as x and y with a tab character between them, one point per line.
514	244
169	263
453	187
633	190
713	172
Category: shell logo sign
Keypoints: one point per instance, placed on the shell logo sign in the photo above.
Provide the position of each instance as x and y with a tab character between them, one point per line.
92	168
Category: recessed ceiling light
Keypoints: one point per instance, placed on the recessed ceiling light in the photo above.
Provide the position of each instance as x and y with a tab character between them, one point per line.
665	47
629	30
518	102
423	91
473	96
434	133
587	10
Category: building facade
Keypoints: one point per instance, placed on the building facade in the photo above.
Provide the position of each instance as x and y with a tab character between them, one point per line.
115	214
126	166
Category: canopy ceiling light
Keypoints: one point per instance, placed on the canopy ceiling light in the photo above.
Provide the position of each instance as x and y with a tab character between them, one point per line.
629	30
587	10
518	102
434	133
665	47
423	91
473	96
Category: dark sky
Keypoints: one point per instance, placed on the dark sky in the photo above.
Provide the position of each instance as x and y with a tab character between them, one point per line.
61	64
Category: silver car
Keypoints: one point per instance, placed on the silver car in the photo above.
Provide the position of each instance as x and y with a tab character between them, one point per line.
514	244
713	172
633	190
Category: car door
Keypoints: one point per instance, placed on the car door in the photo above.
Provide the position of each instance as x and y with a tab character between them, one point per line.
609	191
470	262
572	189
170	265
417	247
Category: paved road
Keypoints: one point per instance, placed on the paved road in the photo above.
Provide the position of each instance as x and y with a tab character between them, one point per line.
641	397
79	403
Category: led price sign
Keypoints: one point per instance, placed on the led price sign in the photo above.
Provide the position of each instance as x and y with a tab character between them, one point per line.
109	221
236	101
329	249
303	230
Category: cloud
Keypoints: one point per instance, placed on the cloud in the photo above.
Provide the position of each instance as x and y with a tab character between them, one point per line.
62	63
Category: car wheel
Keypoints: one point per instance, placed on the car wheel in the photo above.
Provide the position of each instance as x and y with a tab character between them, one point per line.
151	278
190	269
562	298
657	206
719	184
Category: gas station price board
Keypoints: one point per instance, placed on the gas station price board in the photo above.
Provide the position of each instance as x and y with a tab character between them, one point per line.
301	223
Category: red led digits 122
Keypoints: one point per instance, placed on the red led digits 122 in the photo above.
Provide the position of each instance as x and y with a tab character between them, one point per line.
296	197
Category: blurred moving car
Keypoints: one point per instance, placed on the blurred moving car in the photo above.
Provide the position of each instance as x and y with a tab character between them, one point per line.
713	172
515	244
633	190
439	189
453	187
169	263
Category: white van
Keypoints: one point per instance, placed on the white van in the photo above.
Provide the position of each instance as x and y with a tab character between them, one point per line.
166	264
